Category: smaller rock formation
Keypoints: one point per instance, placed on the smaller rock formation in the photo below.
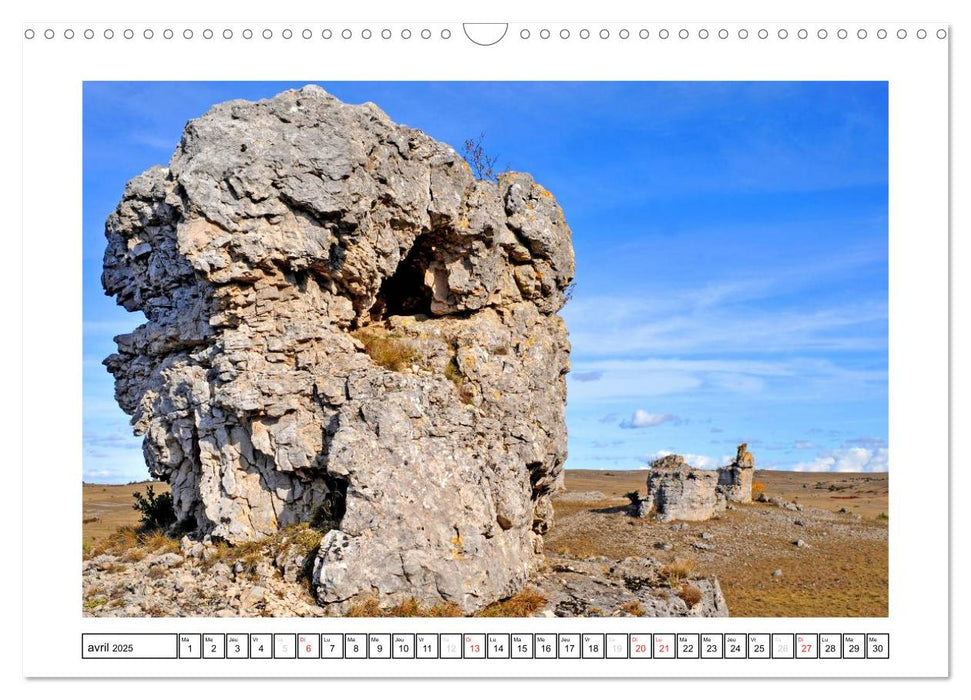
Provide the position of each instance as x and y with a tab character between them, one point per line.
735	480
678	491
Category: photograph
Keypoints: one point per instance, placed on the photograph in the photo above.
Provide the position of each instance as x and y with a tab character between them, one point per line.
492	349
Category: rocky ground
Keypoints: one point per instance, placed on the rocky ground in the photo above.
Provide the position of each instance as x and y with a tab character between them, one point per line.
817	547
131	575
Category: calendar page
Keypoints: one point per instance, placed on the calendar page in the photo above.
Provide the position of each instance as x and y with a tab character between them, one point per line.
371	347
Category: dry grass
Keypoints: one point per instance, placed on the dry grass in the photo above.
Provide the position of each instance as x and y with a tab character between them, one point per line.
131	544
410	608
522	604
757	488
106	508
844	574
690	594
677	571
368	607
633	608
302	536
829	580
387	350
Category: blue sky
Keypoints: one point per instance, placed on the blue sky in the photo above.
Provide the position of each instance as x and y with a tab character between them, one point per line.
731	245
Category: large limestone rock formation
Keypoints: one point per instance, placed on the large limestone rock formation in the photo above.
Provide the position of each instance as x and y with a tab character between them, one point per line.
344	325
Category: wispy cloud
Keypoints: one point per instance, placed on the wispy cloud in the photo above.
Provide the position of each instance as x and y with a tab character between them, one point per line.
872	442
606	444
782	378
847	327
124	442
587	376
644	419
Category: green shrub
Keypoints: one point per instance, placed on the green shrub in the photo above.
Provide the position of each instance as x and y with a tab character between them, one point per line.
158	511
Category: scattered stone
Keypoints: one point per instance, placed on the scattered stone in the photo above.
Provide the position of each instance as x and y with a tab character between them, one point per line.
777	573
252	596
343	322
103	562
679	526
800	543
164	561
787	505
597	586
706	536
292	563
664	546
799	523
702	546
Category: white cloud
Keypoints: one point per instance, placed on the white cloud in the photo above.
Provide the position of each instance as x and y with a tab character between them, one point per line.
643	419
847	459
804	445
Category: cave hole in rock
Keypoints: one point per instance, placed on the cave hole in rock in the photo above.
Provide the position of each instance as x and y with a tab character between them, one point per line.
405	293
330	511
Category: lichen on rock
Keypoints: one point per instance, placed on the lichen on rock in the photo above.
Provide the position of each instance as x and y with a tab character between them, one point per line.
283	232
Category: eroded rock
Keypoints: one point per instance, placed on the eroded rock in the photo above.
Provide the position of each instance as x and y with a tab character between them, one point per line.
678	491
735	480
345	326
